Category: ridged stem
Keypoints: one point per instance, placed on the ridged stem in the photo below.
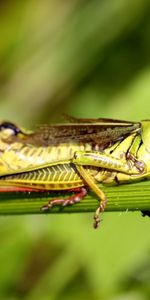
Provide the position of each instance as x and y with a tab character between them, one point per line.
130	197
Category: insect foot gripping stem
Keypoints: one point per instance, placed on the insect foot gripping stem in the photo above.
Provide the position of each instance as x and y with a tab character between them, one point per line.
68	201
100	209
102	198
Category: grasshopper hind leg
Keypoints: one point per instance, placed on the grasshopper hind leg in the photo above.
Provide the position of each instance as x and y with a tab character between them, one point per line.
99	210
102	198
81	193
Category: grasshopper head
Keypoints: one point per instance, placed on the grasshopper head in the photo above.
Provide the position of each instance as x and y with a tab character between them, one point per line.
145	132
8	130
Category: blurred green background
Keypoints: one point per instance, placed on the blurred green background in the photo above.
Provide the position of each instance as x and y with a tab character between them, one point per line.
87	59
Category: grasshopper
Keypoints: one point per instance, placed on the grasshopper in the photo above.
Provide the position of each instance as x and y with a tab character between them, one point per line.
74	156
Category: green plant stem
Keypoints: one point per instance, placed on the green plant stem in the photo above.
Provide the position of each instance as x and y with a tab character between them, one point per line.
130	197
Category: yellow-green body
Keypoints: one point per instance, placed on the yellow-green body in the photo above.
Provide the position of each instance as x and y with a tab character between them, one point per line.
73	156
51	166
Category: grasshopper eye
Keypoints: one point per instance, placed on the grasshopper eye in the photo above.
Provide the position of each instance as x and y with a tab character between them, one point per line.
8	125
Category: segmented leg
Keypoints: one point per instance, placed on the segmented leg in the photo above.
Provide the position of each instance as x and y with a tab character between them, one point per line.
68	201
100	209
108	162
102	198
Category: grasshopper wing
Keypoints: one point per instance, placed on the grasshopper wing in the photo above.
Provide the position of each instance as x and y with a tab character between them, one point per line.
98	131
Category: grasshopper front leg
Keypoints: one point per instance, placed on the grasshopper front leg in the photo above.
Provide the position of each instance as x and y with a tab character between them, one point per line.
104	161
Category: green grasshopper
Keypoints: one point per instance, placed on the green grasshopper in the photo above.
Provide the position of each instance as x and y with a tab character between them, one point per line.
74	156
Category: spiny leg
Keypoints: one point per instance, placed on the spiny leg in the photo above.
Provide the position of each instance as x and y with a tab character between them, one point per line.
103	200
68	201
105	161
